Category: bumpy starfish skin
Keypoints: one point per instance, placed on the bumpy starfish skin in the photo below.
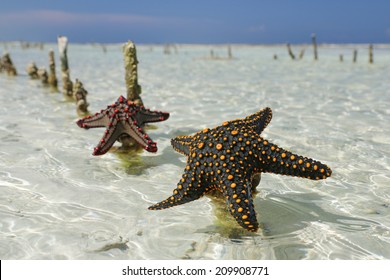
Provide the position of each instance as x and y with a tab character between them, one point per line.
228	157
123	117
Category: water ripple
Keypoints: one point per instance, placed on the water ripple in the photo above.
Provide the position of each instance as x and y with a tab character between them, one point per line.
60	202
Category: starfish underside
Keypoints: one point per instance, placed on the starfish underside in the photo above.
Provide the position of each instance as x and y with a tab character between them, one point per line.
229	158
123	118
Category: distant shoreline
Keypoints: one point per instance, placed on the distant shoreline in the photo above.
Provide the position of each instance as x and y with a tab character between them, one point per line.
323	45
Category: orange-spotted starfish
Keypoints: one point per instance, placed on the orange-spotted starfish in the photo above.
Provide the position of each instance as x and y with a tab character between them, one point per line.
228	157
123	118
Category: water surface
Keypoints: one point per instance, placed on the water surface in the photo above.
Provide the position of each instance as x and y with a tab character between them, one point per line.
60	202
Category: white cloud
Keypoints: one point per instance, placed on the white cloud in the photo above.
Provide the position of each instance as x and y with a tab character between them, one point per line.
37	17
46	24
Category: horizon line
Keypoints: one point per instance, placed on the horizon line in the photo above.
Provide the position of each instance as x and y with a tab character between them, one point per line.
200	43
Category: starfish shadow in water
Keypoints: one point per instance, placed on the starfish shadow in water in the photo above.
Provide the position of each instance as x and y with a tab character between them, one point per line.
283	215
136	164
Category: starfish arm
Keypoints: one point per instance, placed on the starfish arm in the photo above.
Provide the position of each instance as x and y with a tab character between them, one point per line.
98	120
279	161
259	121
239	198
133	129
182	144
147	116
187	190
111	134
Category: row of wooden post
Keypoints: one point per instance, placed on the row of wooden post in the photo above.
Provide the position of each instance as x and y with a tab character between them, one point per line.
76	91
315	52
41	73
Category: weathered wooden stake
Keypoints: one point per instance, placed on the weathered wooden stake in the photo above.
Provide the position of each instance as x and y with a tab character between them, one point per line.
7	65
370	54
75	91
212	55
80	95
354	56
341	57
230	56
32	71
131	73
43	76
290	52
167	49
314	42
301	54
104	48
67	85
133	88
52	79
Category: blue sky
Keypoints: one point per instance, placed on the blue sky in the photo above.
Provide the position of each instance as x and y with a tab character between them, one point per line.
199	21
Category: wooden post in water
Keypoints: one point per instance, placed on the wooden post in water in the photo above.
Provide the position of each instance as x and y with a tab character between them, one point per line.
341	57
131	73
370	54
301	54
52	79
67	85
132	86
7	65
80	95
354	56
230	56
290	52
76	91
1	65
314	42
32	71
43	76
167	49
212	56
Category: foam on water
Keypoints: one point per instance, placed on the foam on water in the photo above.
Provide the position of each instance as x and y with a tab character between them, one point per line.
60	202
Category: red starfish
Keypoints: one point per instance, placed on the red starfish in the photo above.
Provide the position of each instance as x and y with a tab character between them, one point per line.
123	118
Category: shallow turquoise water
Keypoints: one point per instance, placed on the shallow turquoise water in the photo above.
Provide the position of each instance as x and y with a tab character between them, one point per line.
58	201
